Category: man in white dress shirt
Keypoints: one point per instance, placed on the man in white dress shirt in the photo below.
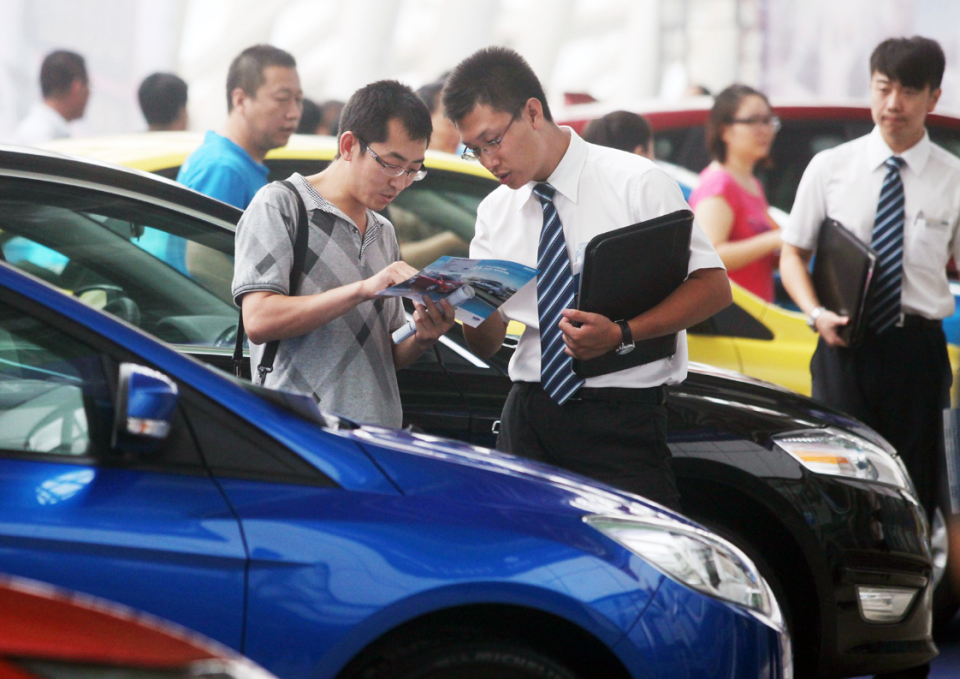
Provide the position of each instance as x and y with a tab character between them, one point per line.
65	89
612	427
897	379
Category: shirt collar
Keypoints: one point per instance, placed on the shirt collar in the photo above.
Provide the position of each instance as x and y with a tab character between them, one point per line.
565	177
915	157
317	202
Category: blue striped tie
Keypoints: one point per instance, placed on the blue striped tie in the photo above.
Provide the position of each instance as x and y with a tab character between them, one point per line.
554	294
884	308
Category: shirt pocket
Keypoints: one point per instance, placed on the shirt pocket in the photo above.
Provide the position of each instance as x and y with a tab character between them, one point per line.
928	244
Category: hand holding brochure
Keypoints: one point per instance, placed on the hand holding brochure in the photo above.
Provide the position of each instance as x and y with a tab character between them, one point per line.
475	287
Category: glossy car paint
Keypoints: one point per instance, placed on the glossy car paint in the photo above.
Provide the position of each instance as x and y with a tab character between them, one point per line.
46	631
303	573
724	454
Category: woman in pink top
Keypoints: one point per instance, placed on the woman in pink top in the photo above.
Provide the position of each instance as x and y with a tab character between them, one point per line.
729	202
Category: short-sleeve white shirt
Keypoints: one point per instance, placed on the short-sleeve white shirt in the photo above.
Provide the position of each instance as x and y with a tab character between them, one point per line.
42	124
844	184
598	190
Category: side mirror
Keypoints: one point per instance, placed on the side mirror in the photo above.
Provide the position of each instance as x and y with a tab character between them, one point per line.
146	403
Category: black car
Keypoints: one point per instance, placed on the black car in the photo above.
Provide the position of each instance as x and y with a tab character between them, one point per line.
820	501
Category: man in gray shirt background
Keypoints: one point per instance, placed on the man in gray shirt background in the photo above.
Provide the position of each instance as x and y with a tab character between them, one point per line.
335	334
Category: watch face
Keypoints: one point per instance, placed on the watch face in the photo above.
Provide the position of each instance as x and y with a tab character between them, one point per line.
625	349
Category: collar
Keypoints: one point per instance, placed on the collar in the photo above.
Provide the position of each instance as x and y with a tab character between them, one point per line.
916	156
314	201
565	177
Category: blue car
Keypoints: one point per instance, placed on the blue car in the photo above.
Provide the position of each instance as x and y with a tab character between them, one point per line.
320	548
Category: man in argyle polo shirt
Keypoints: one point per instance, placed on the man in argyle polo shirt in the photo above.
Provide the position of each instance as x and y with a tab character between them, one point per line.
558	192
334	333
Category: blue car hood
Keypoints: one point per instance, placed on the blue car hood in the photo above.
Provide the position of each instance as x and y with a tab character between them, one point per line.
421	464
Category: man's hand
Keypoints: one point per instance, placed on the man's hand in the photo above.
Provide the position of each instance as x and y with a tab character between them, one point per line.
391	275
595	336
432	320
827	324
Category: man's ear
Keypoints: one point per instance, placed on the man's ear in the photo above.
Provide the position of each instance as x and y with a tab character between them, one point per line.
348	145
534	109
238	96
934	98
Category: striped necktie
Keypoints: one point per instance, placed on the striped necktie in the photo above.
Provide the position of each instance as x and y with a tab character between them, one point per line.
884	308
554	294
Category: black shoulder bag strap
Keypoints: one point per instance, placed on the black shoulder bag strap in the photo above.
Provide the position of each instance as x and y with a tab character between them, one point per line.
299	255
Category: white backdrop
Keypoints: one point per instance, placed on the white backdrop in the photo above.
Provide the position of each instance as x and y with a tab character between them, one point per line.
619	49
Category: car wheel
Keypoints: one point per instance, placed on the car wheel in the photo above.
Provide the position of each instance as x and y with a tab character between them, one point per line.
464	655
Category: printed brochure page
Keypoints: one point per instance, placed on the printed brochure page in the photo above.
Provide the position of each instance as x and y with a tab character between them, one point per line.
476	287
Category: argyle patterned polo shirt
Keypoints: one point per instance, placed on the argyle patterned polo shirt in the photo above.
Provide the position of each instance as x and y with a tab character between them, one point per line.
347	364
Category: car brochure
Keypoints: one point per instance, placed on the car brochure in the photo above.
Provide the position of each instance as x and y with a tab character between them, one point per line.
476	287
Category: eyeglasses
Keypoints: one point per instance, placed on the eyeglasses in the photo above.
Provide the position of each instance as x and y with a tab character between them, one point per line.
760	121
393	170
490	147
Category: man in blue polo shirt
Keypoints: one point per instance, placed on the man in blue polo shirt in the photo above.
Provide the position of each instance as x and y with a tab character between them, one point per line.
264	103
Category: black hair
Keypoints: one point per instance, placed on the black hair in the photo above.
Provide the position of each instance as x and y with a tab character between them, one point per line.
496	77
430	94
724	110
59	70
310	118
913	62
330	113
369	110
246	70
620	130
161	96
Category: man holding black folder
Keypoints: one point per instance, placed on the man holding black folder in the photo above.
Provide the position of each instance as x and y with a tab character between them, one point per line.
899	193
557	193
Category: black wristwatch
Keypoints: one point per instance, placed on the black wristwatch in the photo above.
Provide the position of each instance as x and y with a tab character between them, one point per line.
627	344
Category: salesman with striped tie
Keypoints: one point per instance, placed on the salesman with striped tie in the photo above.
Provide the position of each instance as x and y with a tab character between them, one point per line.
557	193
899	192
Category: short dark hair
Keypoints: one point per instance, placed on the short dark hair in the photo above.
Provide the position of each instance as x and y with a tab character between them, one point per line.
370	109
161	96
496	77
59	70
430	94
724	110
913	62
310	118
619	130
330	111
246	70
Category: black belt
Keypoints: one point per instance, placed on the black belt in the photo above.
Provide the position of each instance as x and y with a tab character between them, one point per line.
914	321
649	395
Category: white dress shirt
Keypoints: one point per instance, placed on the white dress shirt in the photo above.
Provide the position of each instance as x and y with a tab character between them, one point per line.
598	190
41	124
844	184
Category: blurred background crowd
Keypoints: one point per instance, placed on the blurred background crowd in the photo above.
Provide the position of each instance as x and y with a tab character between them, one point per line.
609	49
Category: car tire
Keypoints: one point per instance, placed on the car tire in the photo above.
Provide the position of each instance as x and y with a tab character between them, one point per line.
458	655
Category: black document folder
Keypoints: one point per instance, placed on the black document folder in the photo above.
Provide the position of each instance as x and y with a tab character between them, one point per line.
628	271
842	270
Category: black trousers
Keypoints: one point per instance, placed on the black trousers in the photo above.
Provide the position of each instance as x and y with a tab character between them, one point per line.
616	436
898	383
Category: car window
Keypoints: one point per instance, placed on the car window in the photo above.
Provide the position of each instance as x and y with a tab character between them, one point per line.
732	321
165	272
54	399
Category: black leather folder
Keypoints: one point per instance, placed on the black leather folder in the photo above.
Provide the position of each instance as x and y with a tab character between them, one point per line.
628	271
842	270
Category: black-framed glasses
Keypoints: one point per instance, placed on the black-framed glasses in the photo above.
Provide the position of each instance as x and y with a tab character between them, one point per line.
493	146
393	170
758	121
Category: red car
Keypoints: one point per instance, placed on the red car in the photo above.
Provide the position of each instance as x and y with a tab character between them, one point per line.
48	633
806	130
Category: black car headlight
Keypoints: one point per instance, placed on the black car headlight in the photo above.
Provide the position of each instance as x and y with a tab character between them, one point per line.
695	558
839	453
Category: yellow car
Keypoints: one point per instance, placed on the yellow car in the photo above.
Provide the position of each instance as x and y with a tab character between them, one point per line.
436	217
